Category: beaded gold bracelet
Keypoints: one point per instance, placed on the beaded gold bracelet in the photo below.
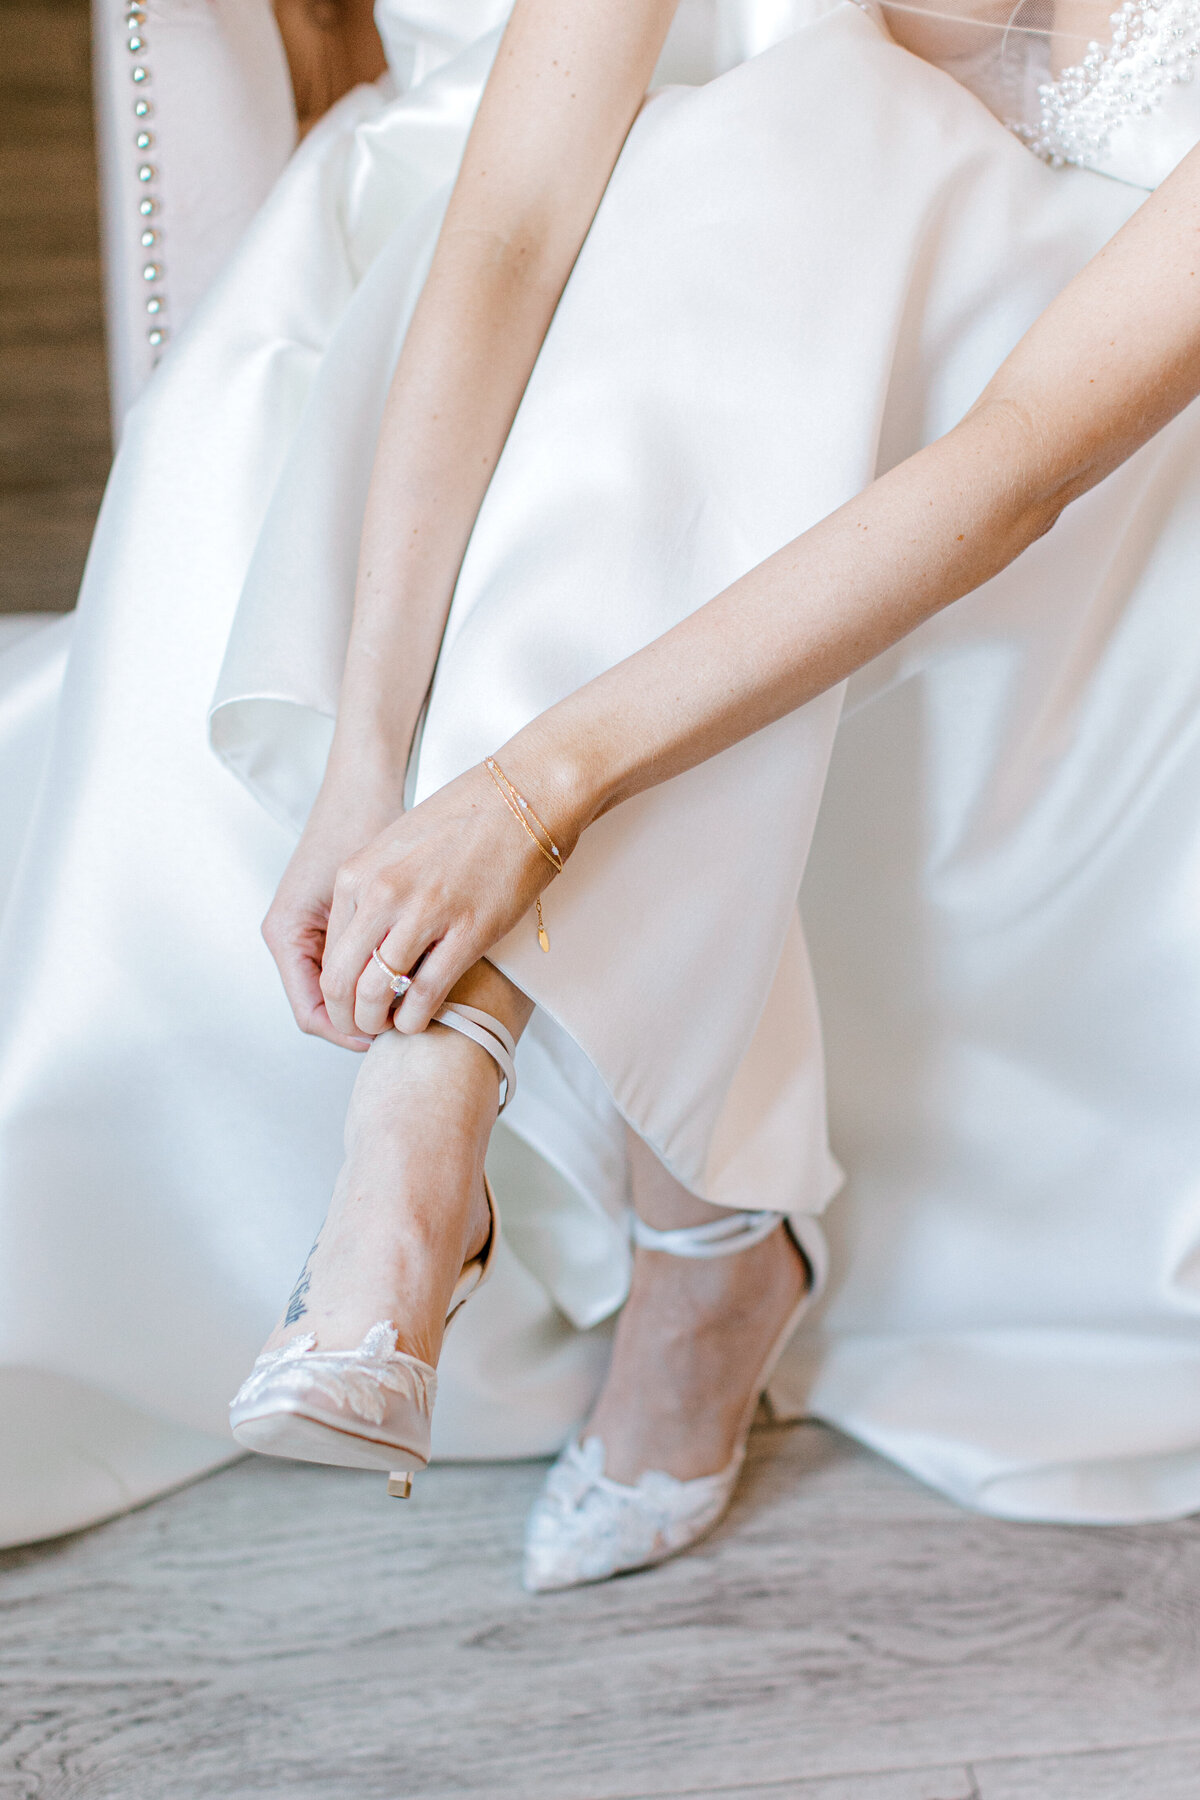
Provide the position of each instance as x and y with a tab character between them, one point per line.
521	810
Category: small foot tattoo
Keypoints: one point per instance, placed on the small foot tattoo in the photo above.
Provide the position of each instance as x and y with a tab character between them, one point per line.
296	1308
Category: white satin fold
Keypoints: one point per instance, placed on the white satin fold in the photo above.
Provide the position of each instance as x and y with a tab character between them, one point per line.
33	655
799	273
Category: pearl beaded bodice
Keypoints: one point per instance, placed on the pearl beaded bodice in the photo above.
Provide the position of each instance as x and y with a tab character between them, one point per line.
1111	92
1153	47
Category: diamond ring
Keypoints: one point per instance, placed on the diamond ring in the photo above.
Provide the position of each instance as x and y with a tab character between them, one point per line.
400	984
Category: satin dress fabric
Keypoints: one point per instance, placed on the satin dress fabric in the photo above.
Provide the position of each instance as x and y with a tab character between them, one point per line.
802	270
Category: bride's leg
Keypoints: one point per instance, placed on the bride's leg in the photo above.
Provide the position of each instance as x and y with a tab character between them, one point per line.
691	1339
408	1208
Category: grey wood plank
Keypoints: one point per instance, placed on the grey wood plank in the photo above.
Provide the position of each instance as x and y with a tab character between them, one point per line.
906	1784
281	1630
1163	1771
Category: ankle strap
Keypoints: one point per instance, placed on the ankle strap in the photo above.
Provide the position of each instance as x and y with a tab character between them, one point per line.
721	1237
490	1035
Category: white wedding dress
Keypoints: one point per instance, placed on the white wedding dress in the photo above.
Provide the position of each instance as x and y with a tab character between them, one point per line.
802	270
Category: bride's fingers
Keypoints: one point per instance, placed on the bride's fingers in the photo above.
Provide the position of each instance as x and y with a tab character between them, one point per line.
349	964
374	998
321	1025
441	967
361	911
342	962
379	989
341	910
297	957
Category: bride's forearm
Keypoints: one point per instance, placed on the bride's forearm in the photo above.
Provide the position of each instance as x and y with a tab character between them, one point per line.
564	90
920	537
1106	366
465	363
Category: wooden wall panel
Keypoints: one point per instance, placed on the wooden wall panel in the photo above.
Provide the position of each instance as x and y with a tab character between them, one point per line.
54	432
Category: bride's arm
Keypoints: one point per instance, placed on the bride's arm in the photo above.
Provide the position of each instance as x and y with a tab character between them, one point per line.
1105	367
566	86
1113	359
567	83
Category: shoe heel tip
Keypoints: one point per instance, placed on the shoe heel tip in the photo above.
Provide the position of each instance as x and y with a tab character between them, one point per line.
399	1484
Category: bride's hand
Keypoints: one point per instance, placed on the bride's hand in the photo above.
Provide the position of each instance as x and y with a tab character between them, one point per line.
345	817
437	887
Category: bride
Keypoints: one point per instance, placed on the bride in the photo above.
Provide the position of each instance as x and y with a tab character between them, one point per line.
584	593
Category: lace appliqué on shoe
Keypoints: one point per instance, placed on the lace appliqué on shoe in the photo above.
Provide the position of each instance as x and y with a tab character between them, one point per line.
358	1382
1154	45
585	1527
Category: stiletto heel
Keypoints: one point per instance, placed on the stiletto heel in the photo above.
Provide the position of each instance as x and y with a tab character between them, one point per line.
369	1408
586	1527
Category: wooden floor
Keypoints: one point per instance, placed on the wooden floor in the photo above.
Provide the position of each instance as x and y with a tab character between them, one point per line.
54	427
285	1631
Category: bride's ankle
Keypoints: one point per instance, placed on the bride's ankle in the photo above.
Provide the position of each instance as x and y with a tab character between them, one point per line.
444	1077
409	1208
722	1293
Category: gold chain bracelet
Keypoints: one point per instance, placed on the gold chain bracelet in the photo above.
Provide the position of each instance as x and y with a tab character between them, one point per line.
521	810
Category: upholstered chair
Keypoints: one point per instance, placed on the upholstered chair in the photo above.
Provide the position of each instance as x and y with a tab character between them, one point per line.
195	120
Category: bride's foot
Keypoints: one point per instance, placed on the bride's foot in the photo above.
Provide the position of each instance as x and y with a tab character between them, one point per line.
349	1374
408	1209
713	1301
690	1345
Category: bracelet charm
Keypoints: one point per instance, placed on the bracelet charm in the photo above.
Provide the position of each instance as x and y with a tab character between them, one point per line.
525	816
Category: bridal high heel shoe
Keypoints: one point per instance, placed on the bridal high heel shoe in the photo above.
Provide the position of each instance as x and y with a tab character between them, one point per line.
369	1408
584	1526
